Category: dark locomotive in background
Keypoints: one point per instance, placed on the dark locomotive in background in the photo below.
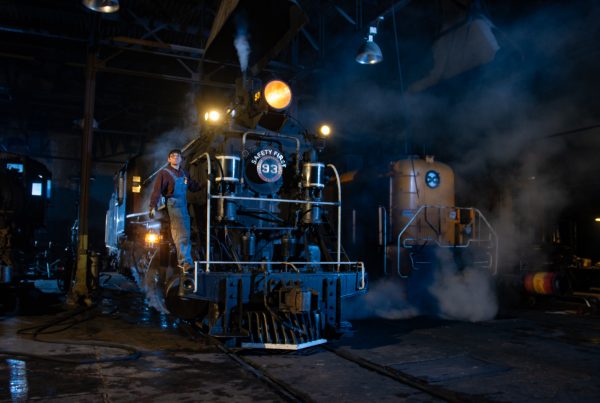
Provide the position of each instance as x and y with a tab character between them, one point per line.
25	255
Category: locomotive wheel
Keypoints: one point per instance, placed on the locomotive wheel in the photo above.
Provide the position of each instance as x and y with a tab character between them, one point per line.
183	308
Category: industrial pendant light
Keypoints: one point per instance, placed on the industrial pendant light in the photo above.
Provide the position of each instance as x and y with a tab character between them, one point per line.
369	52
102	6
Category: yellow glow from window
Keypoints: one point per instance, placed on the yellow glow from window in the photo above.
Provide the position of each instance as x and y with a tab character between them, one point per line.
278	94
136	187
597	219
325	130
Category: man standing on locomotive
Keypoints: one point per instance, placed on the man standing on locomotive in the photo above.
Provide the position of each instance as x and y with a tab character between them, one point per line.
173	183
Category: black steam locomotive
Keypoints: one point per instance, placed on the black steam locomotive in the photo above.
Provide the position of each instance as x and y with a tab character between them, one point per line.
269	266
269	269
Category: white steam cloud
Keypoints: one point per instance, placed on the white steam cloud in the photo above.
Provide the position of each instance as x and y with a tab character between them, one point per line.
466	294
243	49
385	299
445	292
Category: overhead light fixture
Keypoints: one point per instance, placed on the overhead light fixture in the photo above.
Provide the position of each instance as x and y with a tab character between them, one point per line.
369	52
102	6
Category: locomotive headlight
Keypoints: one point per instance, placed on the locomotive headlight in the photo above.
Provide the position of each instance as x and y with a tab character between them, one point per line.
151	238
212	117
325	130
278	94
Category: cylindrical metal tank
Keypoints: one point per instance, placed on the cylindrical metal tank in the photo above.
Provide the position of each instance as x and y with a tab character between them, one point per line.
418	182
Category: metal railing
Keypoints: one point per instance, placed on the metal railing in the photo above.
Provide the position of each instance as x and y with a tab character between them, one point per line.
210	196
477	219
293	265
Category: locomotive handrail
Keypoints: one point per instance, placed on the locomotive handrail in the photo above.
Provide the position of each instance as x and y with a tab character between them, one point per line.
208	196
266	199
494	236
339	218
408	224
382	232
361	265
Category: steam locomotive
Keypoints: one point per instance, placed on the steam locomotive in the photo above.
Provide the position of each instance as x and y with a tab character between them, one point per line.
269	269
269	266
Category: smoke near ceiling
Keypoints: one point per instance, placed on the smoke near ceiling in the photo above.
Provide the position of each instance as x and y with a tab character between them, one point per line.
491	123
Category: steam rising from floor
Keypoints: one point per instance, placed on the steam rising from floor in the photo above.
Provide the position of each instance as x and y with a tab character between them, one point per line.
148	284
446	292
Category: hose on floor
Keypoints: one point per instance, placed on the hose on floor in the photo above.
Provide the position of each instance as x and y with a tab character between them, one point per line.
63	323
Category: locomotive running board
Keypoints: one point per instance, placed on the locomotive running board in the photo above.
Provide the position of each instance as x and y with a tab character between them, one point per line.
278	346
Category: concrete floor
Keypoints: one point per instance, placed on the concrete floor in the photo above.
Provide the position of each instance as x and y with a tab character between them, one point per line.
536	355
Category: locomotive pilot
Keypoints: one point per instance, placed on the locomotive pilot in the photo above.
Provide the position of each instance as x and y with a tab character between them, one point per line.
173	182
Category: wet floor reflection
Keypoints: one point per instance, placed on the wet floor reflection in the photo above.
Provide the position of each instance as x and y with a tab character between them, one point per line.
134	309
17	380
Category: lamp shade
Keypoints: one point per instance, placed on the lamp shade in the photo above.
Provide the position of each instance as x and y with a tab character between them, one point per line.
369	53
102	6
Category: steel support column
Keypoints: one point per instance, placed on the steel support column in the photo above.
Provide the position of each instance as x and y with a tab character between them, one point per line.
80	292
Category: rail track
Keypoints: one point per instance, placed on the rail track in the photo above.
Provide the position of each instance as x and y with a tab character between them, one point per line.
247	359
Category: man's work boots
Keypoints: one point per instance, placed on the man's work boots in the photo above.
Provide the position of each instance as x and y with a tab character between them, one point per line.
186	280
186	268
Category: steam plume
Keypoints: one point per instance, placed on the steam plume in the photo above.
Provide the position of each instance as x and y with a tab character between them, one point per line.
466	294
243	49
385	299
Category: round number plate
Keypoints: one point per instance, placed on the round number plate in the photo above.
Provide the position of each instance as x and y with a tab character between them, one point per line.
269	168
